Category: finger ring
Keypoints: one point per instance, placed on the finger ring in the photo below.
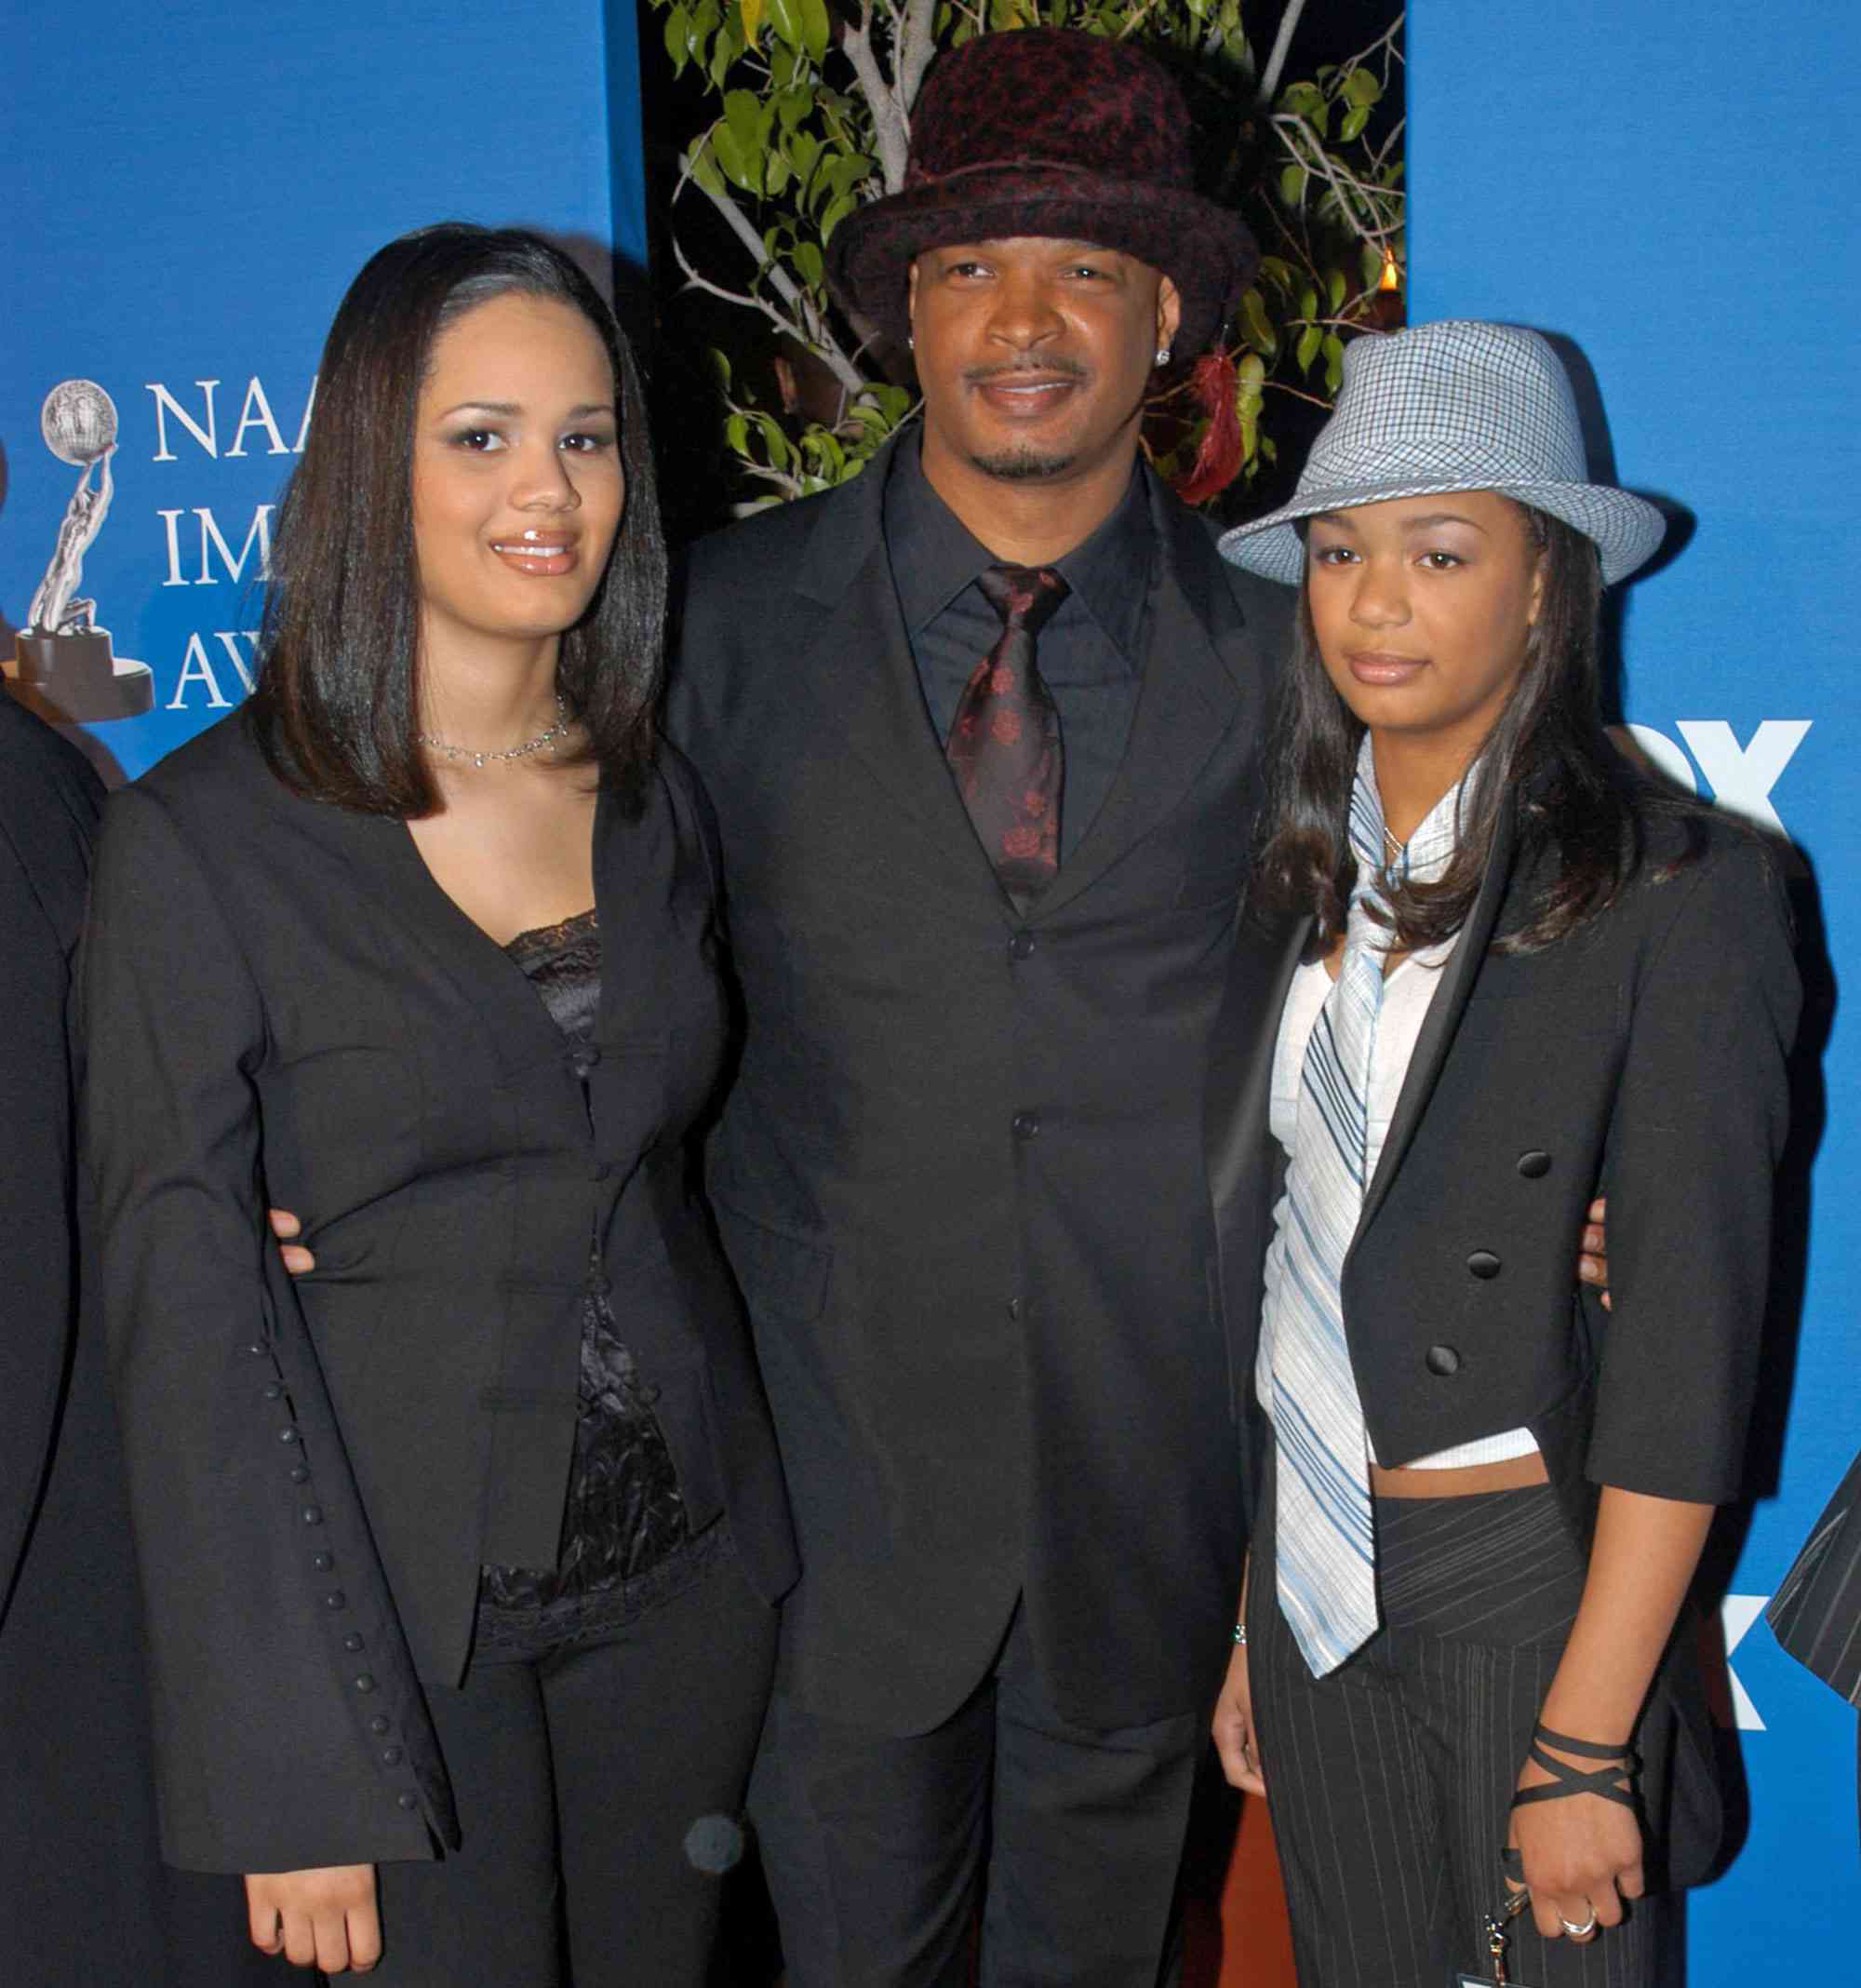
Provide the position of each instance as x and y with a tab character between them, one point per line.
1579	1932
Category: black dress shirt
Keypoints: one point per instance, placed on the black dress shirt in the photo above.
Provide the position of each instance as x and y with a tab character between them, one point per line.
1091	653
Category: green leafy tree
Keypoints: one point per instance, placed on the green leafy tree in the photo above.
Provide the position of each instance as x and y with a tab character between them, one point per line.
810	115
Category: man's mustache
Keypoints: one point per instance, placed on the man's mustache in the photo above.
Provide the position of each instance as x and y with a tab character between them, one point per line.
982	375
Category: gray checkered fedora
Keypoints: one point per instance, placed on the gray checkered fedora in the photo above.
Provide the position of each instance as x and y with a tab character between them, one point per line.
1453	405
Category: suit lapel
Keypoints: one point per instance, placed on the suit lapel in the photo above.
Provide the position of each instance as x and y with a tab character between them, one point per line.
1443	1017
1193	666
388	868
867	690
1240	1081
863	679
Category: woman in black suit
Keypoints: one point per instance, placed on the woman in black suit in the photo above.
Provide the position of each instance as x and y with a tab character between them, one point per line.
1507	972
459	1556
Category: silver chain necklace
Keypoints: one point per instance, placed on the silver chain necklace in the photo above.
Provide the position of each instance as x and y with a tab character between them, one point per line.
544	738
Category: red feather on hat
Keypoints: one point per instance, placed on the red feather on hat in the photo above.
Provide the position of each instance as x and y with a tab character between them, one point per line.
1214	387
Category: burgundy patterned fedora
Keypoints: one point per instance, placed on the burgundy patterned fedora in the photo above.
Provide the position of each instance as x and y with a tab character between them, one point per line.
1048	131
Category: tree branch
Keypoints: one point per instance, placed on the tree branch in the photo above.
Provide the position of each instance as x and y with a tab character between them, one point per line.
1385	45
1129	26
1365	213
694	280
1282	48
890	135
1298	393
916	45
802	320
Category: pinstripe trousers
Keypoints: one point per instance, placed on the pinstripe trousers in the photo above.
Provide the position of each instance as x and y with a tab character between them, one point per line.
1390	1781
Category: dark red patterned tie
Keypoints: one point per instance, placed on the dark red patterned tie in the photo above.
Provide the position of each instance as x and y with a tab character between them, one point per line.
1004	743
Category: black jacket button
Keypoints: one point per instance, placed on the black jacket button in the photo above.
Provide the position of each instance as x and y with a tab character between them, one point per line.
1021	946
299	1475
334	1601
286	1435
391	1756
312	1514
1483	1263
273	1390
379	1723
1026	1124
1534	1165
407	1801
352	1643
1443	1359
1014	1307
364	1682
323	1561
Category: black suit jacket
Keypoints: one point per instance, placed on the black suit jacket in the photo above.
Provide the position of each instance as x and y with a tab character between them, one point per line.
50	801
1815	1613
282	1006
959	1173
1642	1058
88	1898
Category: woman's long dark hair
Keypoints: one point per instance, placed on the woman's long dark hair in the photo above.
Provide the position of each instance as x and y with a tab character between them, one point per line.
336	707
1577	794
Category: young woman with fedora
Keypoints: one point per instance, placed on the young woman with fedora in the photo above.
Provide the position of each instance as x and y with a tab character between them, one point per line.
1499	972
459	1554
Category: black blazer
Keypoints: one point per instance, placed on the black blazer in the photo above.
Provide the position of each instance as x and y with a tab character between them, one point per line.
1642	1058
960	1173
1815	1613
87	1897
282	1006
50	801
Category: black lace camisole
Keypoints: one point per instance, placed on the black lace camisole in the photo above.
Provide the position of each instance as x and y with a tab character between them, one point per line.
624	1527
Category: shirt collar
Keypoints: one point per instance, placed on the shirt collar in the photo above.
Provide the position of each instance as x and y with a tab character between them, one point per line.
1109	574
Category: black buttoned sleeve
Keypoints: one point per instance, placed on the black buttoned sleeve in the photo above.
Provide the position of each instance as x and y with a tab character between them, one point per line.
1698	1124
276	1662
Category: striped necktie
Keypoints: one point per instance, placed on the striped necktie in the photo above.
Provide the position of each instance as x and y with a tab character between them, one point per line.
1326	1553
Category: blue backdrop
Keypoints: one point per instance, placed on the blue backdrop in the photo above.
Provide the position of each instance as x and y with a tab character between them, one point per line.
1671	188
190	188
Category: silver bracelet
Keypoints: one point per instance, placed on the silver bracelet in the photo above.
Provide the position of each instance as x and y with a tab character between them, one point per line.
1241	1634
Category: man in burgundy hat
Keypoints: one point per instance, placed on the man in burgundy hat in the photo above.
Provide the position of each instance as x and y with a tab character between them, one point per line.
983	732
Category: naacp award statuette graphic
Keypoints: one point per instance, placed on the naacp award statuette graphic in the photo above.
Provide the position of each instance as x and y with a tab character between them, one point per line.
62	659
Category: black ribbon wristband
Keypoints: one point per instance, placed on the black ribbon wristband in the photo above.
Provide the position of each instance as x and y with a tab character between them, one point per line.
1586	1749
1568	1781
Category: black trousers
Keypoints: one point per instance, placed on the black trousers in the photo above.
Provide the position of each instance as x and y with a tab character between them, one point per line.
876	1846
598	1791
1390	1781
